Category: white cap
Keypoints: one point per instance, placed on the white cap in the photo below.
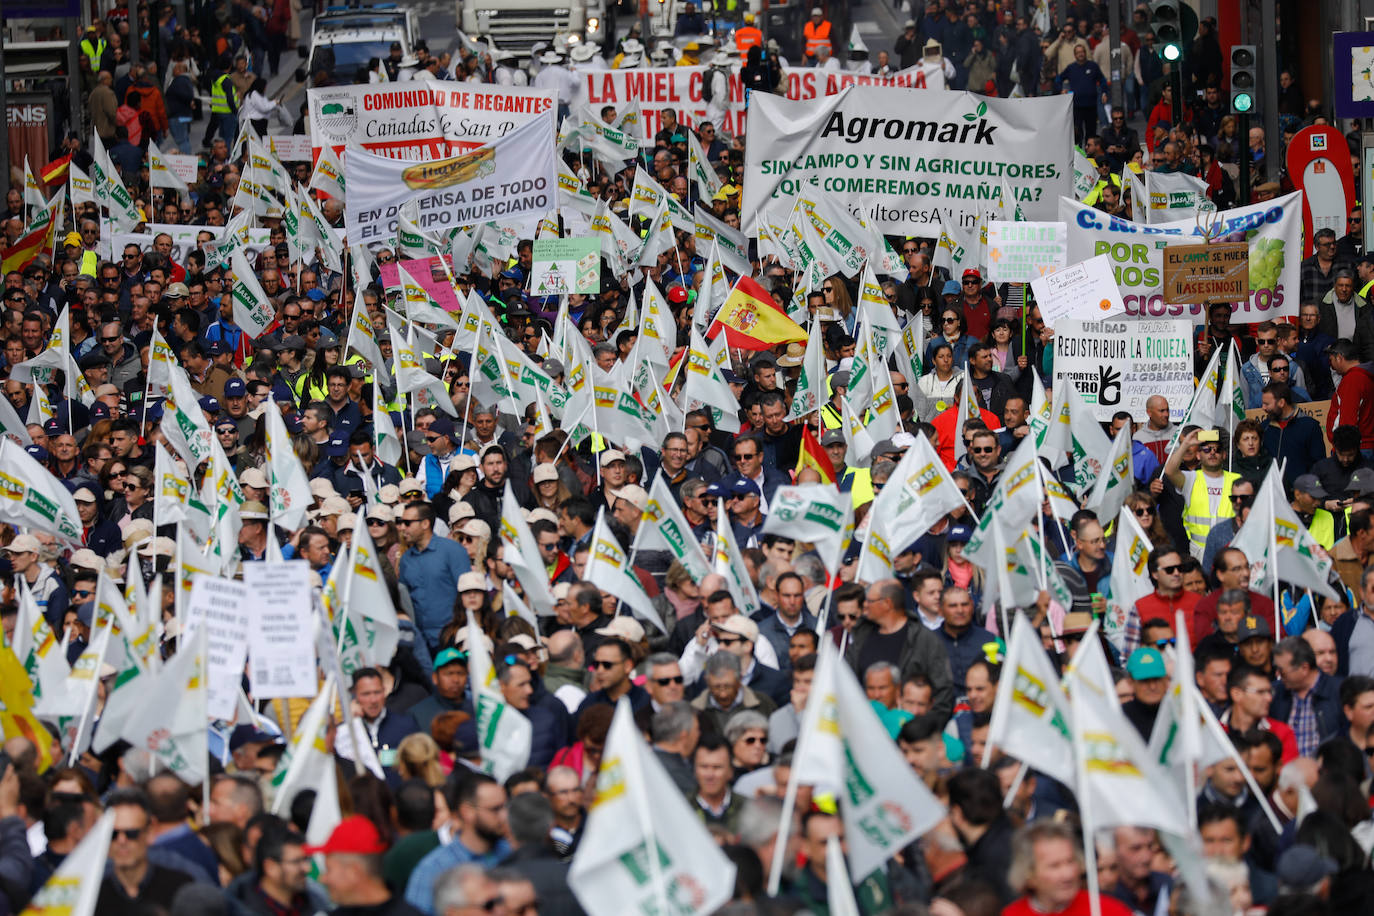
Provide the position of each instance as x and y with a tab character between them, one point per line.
633	494
322	489
544	473
472	582
626	628
255	478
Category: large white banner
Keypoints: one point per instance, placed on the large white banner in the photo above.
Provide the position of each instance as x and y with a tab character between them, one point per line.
906	158
1118	365
421	120
1272	230
679	88
187	238
511	179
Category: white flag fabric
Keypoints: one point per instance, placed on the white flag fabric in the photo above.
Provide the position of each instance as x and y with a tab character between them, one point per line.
363	340
1088	445
183	423
503	732
522	555
917	495
816	513
1114	484
841	742
1278	544
34	497
643	848
1130	578
253	311
839	887
664	527
176	733
329	173
368	600
290	487
159	175
307	762
73	889
729	562
810	395
608	568
1030	719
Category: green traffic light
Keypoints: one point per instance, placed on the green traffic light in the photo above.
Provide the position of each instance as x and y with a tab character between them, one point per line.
1172	52
1243	102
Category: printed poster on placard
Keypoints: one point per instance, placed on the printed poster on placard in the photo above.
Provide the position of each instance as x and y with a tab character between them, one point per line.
281	650
904	158
1019	252
1272	229
430	119
221	606
1118	364
562	266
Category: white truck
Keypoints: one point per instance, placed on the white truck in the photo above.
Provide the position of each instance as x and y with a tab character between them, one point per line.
344	39
517	25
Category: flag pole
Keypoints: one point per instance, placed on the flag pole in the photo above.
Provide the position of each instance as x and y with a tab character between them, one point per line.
1274	534
1085	805
1224	740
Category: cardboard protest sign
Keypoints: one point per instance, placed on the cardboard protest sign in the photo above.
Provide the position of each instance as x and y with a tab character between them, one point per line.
1119	364
1207	273
566	266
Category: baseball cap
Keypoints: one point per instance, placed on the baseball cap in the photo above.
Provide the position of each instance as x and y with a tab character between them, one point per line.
449	656
475	527
1361	482
86	558
336	447
24	543
743	486
833	437
633	494
1301	866
951	288
84	495
610	456
253	477
739	625
235	388
355	835
626	628
1146	663
544	473
972	274
209	404
1253	626
322	489
334	505
1309	484
959	534
472	582
410	485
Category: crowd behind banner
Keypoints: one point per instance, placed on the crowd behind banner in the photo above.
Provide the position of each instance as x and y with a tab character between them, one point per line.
592	515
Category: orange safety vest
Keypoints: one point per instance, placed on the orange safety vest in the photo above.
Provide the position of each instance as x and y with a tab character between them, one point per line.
747	37
817	37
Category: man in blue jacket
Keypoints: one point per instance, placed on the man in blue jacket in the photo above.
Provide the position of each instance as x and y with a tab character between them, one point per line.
1294	439
1305	698
1084	78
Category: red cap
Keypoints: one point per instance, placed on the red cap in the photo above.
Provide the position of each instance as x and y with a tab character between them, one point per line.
971	272
677	294
355	835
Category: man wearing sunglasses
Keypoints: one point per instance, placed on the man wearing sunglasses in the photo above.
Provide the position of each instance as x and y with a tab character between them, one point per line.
1206	492
134	883
1165	566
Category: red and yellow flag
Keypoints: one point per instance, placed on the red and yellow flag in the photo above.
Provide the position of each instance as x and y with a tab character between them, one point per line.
812	455
55	171
18	255
752	321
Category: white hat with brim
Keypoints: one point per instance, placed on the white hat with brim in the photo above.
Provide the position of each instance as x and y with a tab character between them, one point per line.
583	51
550	57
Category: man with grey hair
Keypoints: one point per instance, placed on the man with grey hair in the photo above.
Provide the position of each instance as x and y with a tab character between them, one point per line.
466	890
726	694
1308	700
534	860
664	681
1343	313
886	633
675	732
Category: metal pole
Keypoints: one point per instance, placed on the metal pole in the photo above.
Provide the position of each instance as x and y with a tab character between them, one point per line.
1176	80
5	111
73	26
1244	134
1268	71
1117	77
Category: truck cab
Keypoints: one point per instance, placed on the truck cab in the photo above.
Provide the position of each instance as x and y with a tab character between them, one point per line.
344	39
517	25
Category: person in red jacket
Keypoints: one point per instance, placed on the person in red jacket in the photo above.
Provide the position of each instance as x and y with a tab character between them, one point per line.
1353	402
1047	870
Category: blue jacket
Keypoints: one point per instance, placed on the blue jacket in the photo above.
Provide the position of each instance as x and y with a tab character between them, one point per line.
1326	705
1085	80
964	650
551	729
431	575
1297	445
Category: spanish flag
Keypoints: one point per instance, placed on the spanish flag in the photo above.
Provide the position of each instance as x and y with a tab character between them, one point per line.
16	717
751	321
812	455
55	171
18	255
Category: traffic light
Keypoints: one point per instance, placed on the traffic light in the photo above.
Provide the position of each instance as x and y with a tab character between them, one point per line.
1243	80
1166	23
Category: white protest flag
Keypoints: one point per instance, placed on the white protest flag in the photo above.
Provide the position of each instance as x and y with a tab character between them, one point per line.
1088	444
664	527
817	514
712	293
503	732
1234	395
957	250
73	889
731	245
609	569
514	606
252	309
644	849
329	241
573	193
37	647
384	438
171	488
1279	546
1180	738
841	742
362	339
659	237
79	186
410	373
34	198
699	169
416	304
411	242
657	330
1016	498
729	562
619	417
57	356
83	694
1048	421
522	554
40	410
1118	784
345	646
919	493
1111	488
647	195
858	443
810	395
290	487
882	418
1084	174
367	599
968	410
329	173
307	762
176	736
1130	580
707	386
1203	406
1030	719
35	498
109	189
159	175
161	359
